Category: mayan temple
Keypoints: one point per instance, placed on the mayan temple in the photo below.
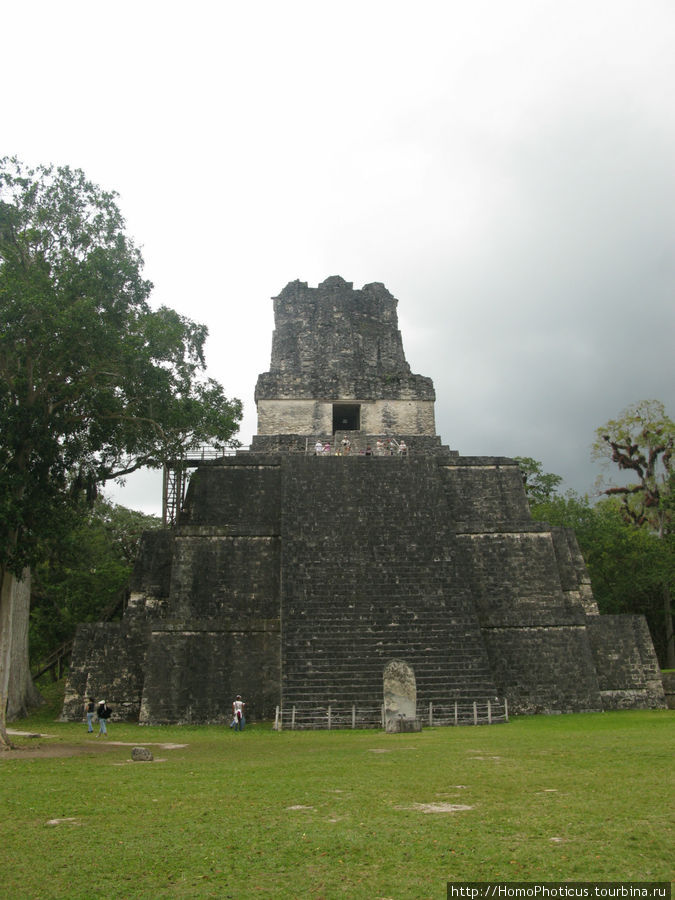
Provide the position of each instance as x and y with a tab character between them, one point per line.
348	538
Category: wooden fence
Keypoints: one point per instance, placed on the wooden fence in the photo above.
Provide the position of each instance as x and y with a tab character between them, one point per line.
352	715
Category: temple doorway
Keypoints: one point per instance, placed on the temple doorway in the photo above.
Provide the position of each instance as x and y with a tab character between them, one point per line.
346	417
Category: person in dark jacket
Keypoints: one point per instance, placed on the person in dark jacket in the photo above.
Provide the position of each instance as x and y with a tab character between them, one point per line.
103	713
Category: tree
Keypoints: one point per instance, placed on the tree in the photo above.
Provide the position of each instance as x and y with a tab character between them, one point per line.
640	443
627	565
83	571
94	383
540	486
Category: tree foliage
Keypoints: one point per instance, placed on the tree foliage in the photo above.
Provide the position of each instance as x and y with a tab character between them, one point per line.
628	565
626	536
640	443
94	382
83	571
540	486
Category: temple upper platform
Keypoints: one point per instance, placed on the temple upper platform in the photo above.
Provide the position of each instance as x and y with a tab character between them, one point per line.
338	365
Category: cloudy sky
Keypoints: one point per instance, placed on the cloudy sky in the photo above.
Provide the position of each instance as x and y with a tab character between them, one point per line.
507	169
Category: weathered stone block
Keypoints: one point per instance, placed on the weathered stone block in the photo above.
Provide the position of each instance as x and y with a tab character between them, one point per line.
628	674
403	726
668	681
141	754
400	694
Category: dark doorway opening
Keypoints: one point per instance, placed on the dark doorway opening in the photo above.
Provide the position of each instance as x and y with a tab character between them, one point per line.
346	417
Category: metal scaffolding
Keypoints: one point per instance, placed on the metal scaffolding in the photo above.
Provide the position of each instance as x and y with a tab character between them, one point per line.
174	483
176	478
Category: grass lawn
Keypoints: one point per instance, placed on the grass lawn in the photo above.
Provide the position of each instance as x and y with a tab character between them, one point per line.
356	814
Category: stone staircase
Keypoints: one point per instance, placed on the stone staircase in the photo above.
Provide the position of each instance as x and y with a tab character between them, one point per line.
370	574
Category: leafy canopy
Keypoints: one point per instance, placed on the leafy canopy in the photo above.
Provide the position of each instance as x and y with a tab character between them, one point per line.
83	570
640	443
540	486
94	383
626	537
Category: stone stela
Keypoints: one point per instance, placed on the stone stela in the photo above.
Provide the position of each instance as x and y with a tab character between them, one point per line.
373	578
400	698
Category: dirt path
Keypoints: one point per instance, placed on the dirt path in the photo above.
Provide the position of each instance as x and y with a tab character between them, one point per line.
40	747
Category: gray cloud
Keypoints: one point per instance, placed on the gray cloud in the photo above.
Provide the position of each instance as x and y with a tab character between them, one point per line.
505	169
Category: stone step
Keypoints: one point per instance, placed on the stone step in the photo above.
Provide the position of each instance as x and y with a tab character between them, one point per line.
354	662
442	701
438	665
481	682
310	687
375	675
335	662
384	620
365	632
422	653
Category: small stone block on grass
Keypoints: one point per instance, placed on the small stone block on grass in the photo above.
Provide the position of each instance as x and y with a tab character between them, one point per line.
141	754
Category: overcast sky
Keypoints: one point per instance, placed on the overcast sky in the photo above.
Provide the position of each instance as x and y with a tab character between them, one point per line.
507	169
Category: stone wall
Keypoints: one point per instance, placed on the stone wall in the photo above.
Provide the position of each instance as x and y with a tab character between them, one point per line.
309	417
534	631
296	579
668	680
484	493
219	574
195	669
332	344
151	578
544	669
574	578
628	673
108	662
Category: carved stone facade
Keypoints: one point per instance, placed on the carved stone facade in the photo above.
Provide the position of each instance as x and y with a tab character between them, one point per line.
297	580
338	366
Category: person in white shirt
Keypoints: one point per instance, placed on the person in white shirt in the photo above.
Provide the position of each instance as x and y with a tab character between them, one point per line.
238	720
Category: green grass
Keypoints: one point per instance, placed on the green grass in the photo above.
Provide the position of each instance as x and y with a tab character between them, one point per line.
583	797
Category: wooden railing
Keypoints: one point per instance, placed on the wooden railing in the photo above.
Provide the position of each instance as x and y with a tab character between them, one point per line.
352	715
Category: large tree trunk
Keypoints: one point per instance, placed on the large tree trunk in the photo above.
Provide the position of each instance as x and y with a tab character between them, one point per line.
17	691
22	694
6	615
